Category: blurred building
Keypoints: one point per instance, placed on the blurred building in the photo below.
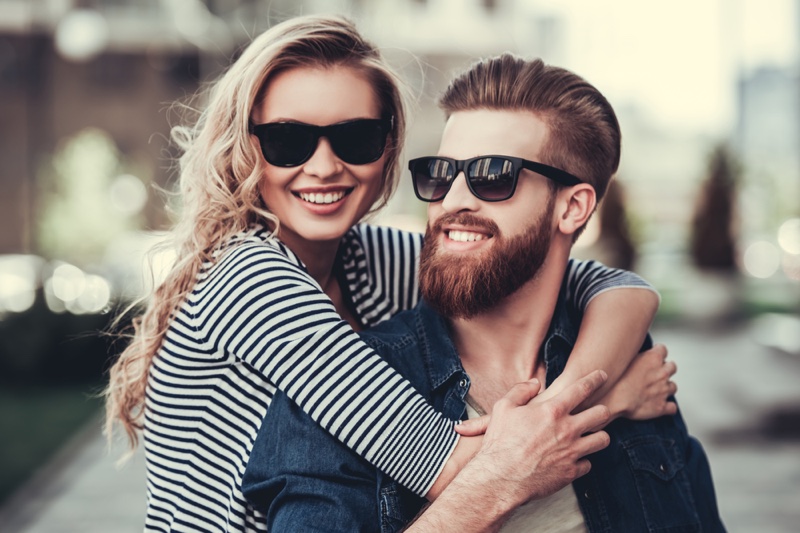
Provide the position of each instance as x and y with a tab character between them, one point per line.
767	138
117	65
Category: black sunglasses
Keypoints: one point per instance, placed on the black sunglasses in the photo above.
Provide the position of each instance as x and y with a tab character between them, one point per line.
290	144
492	178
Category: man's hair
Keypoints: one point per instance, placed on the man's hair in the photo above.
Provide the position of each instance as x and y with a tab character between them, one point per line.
583	133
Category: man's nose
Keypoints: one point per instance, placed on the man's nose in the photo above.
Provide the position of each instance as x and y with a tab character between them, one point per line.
459	197
324	162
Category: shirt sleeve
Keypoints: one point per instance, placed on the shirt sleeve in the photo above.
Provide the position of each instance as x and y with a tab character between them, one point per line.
384	276
586	279
265	310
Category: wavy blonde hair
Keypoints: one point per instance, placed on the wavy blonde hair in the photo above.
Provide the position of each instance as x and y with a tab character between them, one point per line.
219	173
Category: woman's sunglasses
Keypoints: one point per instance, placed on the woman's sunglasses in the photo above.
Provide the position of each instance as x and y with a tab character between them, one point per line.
492	178
290	144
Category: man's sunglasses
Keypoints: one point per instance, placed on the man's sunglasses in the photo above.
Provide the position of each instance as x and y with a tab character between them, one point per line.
492	178
290	144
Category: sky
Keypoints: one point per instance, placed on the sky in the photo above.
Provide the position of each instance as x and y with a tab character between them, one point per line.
678	60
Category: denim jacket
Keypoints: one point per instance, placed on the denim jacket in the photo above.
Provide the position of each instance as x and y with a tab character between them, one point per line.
652	477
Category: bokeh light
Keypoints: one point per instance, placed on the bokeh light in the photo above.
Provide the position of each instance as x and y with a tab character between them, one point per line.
81	34
789	236
761	259
128	194
18	279
790	264
69	282
71	289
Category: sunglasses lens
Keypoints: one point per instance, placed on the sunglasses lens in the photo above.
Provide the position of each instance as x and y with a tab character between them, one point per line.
432	178
360	141
492	178
287	144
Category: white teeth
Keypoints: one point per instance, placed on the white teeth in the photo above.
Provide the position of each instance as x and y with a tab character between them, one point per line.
320	198
465	236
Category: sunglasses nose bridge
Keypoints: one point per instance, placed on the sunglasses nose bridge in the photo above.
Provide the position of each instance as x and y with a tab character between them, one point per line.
459	197
323	161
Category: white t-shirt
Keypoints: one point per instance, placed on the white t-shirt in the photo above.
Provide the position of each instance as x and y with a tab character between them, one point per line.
557	513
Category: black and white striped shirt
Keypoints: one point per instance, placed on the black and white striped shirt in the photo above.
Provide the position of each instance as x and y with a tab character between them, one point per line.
256	322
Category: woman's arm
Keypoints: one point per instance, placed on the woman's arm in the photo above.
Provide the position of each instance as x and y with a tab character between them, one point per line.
618	307
263	309
612	332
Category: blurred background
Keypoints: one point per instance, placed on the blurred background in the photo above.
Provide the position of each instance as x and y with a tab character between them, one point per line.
706	206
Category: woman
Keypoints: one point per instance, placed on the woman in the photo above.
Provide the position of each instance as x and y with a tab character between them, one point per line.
300	139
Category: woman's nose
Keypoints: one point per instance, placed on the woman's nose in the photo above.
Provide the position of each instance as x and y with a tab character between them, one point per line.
324	162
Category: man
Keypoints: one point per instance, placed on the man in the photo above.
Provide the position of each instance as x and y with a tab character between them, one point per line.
499	236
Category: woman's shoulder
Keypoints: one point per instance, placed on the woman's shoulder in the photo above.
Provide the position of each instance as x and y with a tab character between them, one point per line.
252	248
373	235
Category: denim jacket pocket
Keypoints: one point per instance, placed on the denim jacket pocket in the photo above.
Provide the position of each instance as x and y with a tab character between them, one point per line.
390	510
662	484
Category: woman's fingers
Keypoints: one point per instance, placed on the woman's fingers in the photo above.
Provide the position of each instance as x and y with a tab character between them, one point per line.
473	427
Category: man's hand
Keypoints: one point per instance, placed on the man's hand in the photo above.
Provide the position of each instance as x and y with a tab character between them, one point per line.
537	448
530	450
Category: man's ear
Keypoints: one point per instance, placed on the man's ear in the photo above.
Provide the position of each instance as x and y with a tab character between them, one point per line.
580	202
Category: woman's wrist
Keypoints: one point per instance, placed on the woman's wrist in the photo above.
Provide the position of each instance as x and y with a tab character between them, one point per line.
465	450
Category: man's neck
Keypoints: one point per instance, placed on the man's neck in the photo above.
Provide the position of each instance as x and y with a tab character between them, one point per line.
500	347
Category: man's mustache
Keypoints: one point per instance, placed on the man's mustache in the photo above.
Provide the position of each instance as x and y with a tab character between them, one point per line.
464	219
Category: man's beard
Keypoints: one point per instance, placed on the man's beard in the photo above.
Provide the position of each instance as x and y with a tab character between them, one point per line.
464	286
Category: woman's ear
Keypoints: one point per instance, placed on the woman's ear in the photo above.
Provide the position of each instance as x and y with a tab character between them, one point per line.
581	201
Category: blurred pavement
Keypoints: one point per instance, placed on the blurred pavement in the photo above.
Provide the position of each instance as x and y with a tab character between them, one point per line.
740	398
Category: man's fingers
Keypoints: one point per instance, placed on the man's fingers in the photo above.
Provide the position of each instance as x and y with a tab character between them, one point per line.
578	392
591	418
473	427
523	392
583	467
593	442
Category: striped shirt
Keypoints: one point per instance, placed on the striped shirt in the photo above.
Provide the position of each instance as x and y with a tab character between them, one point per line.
256	322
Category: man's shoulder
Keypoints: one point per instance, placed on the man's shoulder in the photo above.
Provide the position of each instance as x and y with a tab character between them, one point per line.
396	333
398	341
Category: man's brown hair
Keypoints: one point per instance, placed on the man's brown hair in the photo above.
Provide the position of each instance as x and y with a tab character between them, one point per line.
583	133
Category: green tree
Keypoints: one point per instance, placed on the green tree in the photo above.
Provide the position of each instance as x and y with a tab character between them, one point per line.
77	215
713	239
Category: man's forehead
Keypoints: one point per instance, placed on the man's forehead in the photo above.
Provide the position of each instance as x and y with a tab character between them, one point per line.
489	131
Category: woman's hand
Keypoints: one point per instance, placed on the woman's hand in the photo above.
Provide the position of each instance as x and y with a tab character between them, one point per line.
642	391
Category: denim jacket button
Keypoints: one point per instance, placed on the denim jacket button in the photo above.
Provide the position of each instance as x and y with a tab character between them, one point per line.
587	494
662	468
463	383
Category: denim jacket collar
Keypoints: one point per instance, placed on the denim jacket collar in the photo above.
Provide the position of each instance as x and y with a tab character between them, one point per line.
433	334
441	357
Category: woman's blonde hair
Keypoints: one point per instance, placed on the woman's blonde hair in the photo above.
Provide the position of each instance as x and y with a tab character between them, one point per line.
220	170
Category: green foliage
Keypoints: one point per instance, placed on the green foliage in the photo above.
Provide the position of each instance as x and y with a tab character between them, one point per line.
615	232
77	219
713	243
34	423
